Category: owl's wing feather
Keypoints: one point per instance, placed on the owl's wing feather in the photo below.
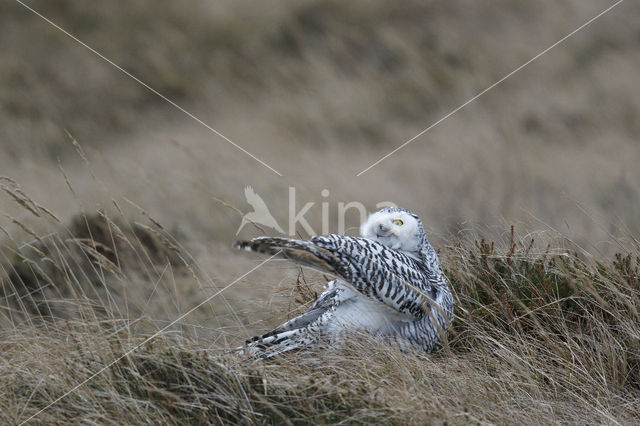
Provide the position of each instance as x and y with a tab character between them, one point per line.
301	252
368	266
325	301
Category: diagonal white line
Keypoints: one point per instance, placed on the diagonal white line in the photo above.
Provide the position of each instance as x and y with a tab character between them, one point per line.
492	86
93	376
151	89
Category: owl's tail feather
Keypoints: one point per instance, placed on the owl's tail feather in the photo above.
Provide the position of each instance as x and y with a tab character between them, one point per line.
305	253
270	345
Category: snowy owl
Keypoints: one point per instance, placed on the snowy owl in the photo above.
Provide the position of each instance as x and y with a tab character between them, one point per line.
389	284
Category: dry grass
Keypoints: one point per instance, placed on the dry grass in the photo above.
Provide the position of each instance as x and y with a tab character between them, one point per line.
539	338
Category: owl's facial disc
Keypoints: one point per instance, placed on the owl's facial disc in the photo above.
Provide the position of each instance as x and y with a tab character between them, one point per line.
395	229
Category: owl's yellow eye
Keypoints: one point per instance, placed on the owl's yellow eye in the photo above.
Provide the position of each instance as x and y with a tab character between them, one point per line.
398	222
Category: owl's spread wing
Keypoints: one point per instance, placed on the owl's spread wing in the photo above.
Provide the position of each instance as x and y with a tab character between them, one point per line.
368	266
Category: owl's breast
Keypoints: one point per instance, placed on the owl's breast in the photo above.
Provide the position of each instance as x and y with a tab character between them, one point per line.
357	312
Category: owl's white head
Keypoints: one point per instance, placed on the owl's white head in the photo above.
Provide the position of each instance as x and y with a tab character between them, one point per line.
396	228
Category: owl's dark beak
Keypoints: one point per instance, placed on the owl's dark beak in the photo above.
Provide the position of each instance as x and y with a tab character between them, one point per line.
383	231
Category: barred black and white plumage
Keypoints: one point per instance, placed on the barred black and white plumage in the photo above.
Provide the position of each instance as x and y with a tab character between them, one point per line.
389	284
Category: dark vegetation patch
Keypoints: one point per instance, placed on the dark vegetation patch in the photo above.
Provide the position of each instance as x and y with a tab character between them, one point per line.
92	261
555	302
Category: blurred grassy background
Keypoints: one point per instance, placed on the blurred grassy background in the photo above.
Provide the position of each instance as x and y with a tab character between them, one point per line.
319	91
117	211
